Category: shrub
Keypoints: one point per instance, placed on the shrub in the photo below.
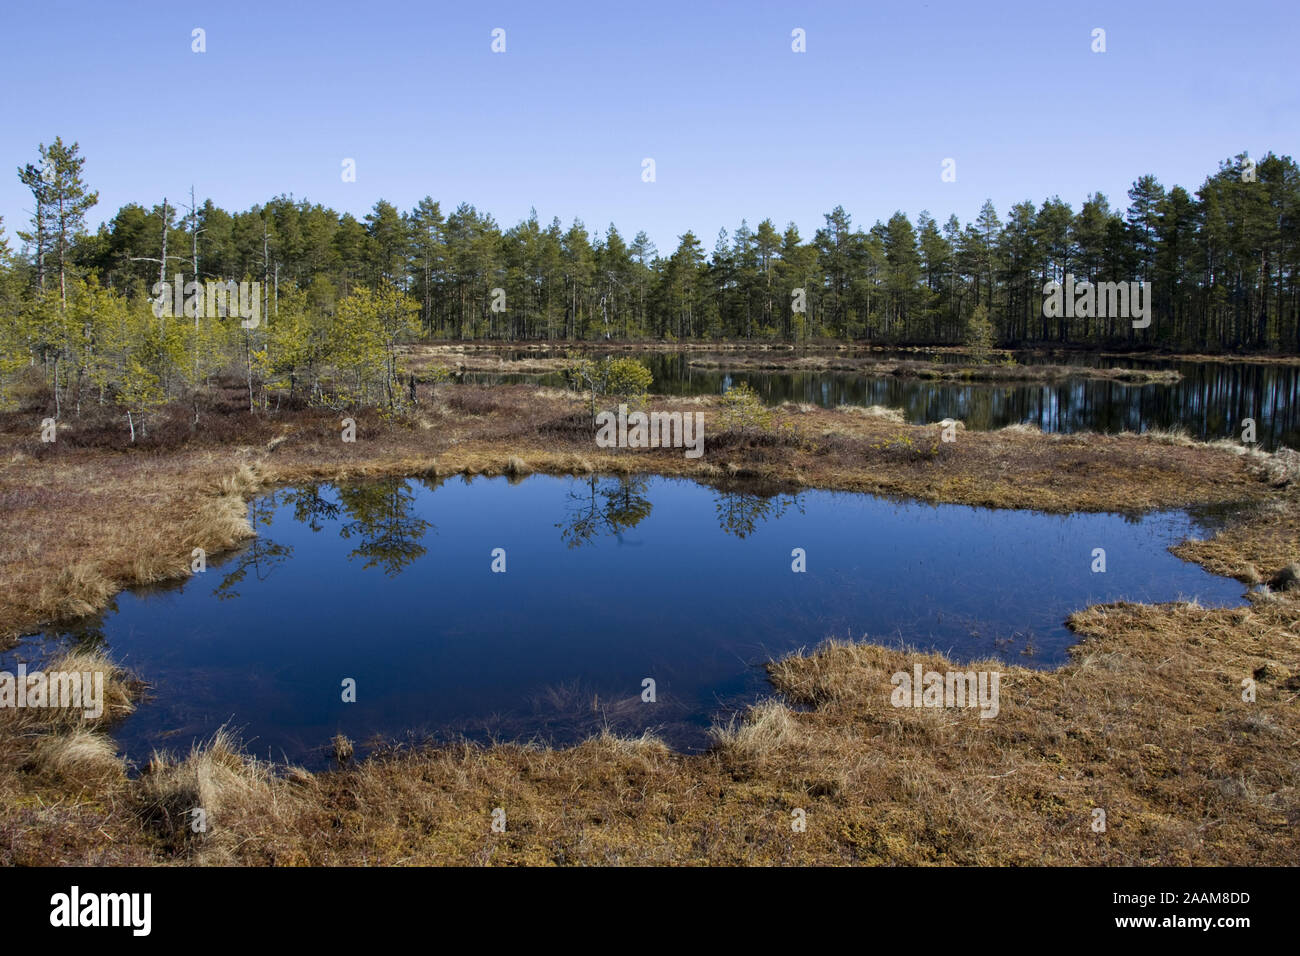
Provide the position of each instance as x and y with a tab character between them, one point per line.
742	408
979	335
625	380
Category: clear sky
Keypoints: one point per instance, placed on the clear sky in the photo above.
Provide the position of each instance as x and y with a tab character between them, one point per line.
738	124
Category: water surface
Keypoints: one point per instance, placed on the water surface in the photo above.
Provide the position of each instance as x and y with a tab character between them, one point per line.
1209	402
608	582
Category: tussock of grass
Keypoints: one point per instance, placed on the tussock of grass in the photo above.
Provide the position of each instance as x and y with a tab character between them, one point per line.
75	591
79	757
1287	579
647	743
119	691
235	792
242	481
342	748
120	688
154	565
218	524
63	744
1181	438
83	588
1165	436
765	728
61	777
1282	468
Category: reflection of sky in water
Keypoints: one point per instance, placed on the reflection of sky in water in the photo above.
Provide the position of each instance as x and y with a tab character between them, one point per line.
609	581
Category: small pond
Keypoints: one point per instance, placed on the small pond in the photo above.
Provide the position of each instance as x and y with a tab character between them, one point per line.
607	581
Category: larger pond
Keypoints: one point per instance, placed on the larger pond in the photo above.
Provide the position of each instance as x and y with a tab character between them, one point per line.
600	584
1209	402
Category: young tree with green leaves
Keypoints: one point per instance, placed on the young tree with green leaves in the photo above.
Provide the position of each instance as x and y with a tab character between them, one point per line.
610	380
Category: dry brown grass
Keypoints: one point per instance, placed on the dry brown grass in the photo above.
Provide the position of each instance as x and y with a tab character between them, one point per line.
1254	358
120	689
984	373
1146	722
78	758
77	590
894	415
80	526
233	793
63	787
1254	549
764	730
422	359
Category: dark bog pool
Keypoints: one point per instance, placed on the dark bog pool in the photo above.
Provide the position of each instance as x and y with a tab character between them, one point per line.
607	582
1209	402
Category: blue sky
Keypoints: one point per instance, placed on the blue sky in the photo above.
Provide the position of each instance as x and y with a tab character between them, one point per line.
739	126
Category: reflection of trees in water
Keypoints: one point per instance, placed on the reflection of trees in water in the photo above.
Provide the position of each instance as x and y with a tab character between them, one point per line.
383	518
261	556
1209	402
741	512
605	506
611	506
310	507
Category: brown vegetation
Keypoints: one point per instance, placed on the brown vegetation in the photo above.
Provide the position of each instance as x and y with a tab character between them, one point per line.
935	371
1147	721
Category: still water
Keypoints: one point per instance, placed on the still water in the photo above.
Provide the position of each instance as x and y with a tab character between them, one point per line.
607	582
1209	402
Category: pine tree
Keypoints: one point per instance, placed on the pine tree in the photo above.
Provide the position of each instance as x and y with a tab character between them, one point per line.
979	335
67	201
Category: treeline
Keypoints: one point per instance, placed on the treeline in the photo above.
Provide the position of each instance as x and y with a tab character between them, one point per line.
1222	264
99	339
